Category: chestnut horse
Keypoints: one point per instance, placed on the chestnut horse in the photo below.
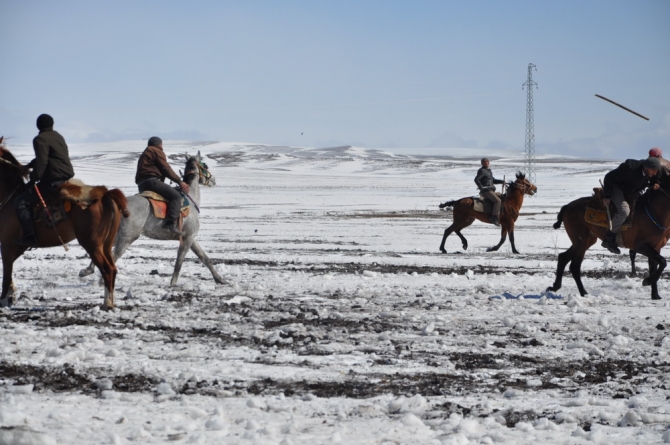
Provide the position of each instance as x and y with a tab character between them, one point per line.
465	214
648	234
94	226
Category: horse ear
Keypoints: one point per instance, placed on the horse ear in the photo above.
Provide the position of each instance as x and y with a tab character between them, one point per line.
1	138
198	156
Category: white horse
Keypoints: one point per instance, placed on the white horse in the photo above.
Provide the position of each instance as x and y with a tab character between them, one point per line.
142	222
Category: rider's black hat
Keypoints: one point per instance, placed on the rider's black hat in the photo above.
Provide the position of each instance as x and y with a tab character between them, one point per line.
44	121
155	141
652	162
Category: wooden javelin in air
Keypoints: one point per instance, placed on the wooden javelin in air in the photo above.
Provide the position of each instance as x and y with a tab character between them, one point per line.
621	106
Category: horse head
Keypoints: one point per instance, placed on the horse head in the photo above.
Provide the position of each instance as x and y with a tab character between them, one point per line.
10	169
196	166
524	184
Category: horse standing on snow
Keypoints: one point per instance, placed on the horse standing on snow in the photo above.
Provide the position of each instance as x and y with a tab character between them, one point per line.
143	222
465	213
93	215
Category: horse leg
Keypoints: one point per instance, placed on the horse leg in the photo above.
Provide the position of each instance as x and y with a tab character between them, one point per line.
503	237
511	240
632	254
181	254
447	232
195	247
563	259
463	240
10	252
652	279
576	270
88	270
457	226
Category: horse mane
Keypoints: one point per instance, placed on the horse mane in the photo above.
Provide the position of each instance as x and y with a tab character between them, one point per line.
191	169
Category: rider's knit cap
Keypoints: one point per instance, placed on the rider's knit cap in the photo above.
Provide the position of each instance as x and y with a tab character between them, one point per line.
154	141
44	121
656	152
652	162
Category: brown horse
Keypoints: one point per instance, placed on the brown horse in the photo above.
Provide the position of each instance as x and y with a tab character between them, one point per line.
648	234
465	214
94	225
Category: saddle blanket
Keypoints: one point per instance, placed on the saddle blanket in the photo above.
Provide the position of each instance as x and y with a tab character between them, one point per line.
598	218
60	201
159	205
482	204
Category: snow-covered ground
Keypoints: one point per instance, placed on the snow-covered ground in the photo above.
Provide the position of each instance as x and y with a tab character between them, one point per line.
342	322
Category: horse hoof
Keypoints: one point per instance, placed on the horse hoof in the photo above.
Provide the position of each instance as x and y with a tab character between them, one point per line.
646	282
465	247
85	272
516	252
443	251
655	297
491	249
551	289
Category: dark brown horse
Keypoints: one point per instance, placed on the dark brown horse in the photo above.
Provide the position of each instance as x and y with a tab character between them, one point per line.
648	234
465	214
94	225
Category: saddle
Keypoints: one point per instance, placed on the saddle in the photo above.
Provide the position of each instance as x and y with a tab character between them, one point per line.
159	204
59	201
596	213
481	204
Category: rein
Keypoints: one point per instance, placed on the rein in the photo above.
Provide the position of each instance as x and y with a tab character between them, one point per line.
10	163
646	209
8	198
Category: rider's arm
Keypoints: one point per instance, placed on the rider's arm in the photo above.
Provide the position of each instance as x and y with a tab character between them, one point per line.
164	167
39	164
478	181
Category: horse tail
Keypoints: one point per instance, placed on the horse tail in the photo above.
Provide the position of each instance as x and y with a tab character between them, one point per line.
559	218
451	203
117	197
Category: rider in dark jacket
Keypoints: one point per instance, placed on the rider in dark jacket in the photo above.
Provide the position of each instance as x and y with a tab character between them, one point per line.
50	168
152	170
627	181
485	181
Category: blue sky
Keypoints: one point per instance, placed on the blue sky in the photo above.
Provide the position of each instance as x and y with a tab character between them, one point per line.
411	75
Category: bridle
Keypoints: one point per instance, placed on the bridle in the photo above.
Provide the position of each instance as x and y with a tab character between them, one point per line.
525	186
204	176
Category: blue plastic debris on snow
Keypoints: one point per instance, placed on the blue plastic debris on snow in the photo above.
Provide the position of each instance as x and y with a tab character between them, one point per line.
508	296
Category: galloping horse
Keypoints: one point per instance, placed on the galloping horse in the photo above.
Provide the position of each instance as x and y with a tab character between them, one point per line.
143	222
465	214
93	225
648	234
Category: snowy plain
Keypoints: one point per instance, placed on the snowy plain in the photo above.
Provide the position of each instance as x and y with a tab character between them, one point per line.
341	321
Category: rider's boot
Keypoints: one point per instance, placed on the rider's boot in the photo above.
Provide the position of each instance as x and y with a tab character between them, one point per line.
25	217
29	240
609	242
172	227
494	220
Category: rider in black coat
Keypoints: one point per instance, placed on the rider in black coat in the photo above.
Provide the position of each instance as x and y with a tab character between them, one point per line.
50	168
627	181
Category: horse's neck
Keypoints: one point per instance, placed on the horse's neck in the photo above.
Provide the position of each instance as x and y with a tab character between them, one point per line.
515	197
194	189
